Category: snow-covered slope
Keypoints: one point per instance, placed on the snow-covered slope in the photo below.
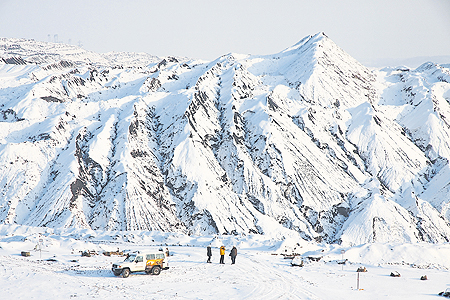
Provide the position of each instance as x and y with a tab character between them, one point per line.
307	142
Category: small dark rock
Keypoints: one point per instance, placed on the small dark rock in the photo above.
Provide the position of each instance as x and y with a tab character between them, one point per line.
395	274
51	259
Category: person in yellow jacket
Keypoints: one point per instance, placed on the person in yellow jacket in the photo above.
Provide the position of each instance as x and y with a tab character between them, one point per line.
222	254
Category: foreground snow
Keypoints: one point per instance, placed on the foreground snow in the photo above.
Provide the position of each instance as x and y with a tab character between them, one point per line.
261	271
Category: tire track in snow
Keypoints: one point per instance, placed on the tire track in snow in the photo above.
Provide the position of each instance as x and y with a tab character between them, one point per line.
273	283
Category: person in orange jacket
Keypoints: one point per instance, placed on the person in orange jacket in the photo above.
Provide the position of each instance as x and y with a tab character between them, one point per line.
222	254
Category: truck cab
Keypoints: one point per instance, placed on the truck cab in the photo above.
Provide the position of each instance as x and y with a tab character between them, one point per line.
150	262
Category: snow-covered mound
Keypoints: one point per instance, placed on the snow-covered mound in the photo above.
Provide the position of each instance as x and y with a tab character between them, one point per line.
306	142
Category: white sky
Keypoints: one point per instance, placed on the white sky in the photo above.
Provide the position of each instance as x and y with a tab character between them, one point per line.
369	30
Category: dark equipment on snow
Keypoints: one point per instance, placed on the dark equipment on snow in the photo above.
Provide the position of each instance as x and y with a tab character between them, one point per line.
446	293
314	258
88	253
109	253
297	262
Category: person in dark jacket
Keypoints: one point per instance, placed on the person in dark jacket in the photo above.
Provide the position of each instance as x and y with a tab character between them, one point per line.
209	254
233	255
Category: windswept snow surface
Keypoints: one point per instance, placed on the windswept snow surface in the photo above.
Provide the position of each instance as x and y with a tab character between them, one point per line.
305	143
59	271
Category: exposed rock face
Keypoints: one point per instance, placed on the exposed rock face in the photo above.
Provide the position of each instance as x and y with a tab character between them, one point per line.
306	141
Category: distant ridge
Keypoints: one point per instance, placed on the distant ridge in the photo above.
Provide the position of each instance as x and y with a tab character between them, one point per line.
412	62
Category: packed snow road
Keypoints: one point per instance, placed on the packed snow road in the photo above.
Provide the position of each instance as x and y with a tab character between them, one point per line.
256	275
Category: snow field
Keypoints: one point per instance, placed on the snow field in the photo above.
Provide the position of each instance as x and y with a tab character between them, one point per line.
260	271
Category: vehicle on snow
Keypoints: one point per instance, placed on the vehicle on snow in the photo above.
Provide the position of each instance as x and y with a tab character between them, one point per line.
150	262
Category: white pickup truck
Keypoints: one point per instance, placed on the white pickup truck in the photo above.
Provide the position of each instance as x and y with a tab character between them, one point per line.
150	262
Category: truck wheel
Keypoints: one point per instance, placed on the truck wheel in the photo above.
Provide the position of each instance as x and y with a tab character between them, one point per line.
125	273
156	270
117	273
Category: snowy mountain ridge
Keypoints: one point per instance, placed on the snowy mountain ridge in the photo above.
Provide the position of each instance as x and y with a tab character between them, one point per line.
306	142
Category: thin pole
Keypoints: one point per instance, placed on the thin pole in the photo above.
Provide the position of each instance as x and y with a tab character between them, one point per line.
357	282
40	248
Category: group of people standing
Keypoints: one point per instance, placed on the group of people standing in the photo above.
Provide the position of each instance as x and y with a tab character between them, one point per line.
233	254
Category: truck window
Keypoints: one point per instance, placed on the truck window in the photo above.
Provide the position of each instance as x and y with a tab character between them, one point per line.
130	258
159	255
150	256
139	259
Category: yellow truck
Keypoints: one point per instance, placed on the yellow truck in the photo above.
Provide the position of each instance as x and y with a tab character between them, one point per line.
150	262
